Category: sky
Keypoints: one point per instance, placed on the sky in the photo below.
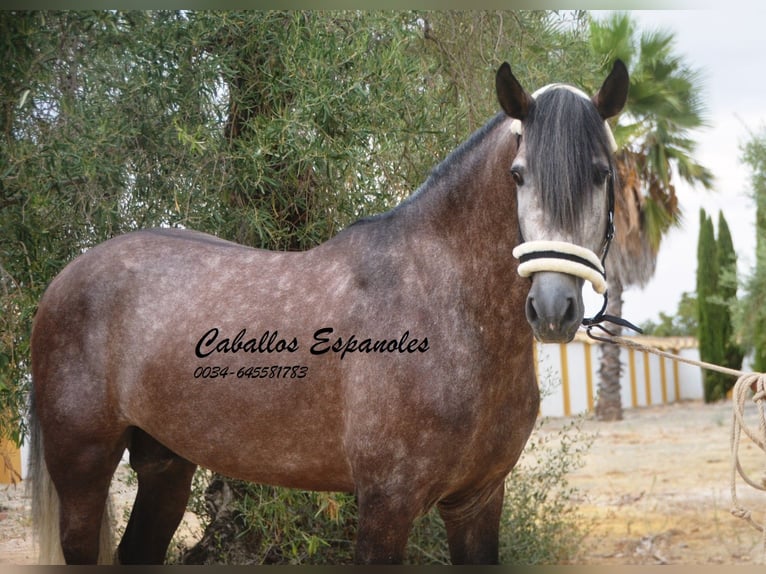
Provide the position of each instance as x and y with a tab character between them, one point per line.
728	48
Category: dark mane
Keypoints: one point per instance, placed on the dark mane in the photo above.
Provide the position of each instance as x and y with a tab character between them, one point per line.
563	133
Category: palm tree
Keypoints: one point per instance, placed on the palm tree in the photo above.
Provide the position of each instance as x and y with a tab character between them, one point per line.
663	106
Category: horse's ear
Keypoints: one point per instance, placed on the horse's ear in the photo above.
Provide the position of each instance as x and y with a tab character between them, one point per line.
613	94
512	97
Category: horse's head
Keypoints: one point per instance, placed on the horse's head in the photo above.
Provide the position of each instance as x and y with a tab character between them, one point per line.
564	177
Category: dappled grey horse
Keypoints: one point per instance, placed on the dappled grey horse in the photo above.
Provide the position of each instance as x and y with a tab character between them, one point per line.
394	361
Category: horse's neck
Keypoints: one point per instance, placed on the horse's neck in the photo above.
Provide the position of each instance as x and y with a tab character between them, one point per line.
473	206
471	214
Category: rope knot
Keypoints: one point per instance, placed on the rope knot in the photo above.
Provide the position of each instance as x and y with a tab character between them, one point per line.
742	513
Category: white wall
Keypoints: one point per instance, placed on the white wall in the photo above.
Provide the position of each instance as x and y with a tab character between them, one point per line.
568	375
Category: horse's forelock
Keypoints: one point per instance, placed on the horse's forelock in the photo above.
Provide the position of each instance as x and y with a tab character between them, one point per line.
563	134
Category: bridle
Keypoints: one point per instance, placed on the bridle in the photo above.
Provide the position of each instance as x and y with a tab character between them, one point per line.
602	317
565	257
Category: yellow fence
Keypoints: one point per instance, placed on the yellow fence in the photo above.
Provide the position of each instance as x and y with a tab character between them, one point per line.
10	463
568	374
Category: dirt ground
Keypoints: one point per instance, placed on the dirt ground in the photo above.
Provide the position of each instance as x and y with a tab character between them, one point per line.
654	490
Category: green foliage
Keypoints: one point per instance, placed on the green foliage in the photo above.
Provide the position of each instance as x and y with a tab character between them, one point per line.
710	343
716	287
733	353
541	523
750	323
664	102
287	526
327	120
681	323
88	151
467	47
664	107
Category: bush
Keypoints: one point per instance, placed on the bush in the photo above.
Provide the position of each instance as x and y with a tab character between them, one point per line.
249	523
540	521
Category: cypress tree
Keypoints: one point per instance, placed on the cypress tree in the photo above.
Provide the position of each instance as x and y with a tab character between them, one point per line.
708	308
727	289
716	290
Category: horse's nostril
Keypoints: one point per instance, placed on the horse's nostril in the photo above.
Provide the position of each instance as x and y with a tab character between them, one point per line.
570	314
532	315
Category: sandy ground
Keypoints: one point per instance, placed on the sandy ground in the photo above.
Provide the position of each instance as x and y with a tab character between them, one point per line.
654	490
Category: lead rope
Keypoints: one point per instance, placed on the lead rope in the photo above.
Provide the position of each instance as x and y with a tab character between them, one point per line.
755	382
602	317
746	383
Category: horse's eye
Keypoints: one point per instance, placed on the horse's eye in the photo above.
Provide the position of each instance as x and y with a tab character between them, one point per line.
517	173
600	174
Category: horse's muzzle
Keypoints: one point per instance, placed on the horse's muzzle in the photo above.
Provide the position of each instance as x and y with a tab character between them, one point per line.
554	306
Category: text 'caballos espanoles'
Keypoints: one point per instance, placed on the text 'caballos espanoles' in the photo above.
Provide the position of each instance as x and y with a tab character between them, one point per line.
323	341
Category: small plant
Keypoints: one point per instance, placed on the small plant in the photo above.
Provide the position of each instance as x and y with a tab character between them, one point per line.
259	524
540	521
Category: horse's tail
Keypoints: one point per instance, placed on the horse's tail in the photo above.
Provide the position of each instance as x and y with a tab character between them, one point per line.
45	504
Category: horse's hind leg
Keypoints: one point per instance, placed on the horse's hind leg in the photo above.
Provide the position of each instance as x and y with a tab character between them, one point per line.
82	477
164	485
473	526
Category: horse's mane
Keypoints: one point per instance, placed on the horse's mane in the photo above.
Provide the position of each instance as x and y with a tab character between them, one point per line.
563	133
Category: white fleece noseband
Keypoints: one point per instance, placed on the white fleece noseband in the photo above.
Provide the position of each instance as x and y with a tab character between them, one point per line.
561	257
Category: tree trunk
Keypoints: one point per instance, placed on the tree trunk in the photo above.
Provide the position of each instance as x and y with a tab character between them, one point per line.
609	403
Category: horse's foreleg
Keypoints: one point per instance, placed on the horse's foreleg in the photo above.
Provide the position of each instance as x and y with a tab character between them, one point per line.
164	484
473	526
385	520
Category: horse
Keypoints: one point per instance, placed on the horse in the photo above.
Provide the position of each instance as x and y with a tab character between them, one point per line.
393	361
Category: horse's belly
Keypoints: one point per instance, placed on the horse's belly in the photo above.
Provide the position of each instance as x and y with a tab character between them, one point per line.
276	431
